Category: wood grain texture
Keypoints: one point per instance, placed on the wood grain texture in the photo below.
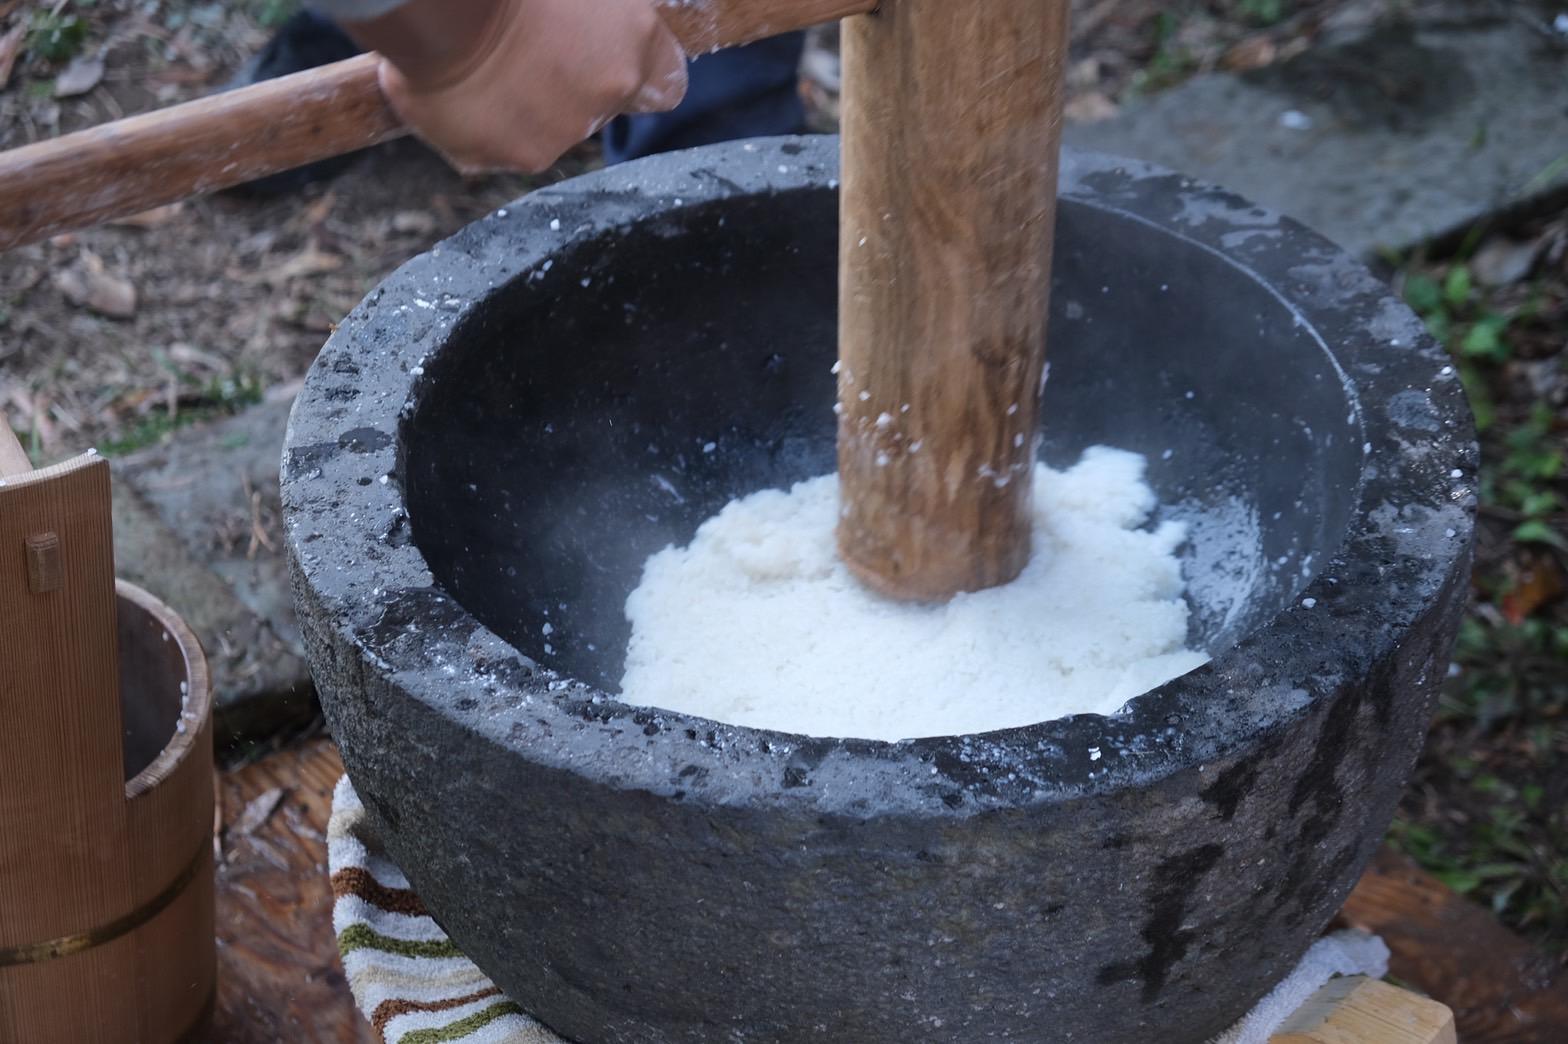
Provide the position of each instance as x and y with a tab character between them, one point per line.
169	809
44	571
1359	1010
279	973
951	128
147	161
65	862
1501	988
710	25
82	848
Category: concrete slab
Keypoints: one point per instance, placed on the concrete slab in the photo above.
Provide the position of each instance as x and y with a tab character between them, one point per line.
217	487
1381	137
261	685
197	524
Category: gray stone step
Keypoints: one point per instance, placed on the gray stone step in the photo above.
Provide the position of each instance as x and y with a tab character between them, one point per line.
197	524
1381	137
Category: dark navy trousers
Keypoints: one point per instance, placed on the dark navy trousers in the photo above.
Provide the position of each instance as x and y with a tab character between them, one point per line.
746	92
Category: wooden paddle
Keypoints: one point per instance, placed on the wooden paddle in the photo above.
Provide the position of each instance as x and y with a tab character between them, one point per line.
146	161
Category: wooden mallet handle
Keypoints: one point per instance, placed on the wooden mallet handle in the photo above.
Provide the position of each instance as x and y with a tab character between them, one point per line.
951	125
202	146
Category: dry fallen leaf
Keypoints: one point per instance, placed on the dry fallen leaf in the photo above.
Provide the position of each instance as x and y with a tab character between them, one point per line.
10	47
154	218
83	74
308	262
257	811
89	284
823	68
1252	53
413	222
1091	107
1540	586
191	356
1503	261
34	407
1085	73
313	215
171	78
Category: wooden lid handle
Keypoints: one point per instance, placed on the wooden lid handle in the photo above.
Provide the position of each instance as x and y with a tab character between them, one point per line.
227	139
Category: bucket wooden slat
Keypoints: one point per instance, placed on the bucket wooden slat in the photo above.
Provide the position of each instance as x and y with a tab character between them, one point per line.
170	805
64	862
105	882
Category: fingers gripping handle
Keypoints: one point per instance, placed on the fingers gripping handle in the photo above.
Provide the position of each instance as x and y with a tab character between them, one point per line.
213	143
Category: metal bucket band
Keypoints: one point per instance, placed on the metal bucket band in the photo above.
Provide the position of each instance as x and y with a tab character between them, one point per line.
66	945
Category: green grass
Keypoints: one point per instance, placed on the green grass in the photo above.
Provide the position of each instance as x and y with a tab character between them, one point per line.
1488	811
1170	63
55	37
220	398
1263	12
273	13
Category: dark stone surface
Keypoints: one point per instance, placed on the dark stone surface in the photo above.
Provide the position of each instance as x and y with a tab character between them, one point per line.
1382	135
539	393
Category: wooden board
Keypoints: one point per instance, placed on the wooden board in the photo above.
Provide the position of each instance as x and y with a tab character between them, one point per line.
1500	986
279	977
1357	1010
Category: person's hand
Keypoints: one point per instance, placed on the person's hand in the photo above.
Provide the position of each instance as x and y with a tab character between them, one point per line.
513	84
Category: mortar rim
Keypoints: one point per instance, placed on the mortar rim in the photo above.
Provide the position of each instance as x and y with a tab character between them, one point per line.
1203	716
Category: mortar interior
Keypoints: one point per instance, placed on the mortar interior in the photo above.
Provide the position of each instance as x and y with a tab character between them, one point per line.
589	414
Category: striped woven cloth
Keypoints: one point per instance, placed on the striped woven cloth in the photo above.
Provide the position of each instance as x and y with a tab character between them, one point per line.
408	978
416	987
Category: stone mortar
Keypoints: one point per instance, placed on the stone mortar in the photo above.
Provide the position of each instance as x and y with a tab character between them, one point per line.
504	429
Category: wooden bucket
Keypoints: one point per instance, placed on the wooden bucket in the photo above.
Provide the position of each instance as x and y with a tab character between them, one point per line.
106	782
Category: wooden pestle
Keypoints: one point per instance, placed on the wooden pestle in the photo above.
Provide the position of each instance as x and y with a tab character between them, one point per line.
146	161
951	128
